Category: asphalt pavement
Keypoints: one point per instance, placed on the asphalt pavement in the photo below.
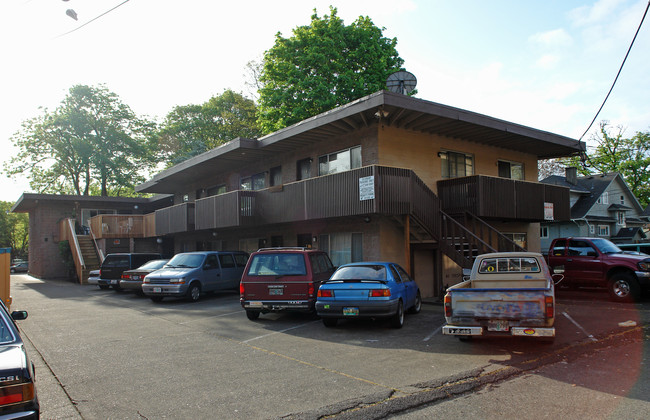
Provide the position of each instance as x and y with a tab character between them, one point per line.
598	368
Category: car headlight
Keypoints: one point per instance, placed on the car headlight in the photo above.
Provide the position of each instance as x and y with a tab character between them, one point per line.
180	280
146	280
644	265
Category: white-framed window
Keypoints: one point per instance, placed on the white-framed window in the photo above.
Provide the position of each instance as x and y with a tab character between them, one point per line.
603	230
342	248
512	170
623	200
621	218
592	229
603	199
543	232
455	164
340	161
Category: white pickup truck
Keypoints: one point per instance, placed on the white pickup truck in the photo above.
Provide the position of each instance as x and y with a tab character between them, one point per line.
506	294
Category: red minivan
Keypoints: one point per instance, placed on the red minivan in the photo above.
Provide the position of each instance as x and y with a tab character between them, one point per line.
279	279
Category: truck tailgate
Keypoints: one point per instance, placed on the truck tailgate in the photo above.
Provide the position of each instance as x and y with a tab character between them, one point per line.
270	288
498	303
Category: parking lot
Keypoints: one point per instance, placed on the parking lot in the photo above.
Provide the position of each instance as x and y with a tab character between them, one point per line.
102	354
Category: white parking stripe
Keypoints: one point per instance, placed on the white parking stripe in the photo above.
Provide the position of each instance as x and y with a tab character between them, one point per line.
579	326
278	332
437	330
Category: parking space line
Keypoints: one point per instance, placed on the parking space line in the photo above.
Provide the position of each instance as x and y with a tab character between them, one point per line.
591	337
279	332
436	331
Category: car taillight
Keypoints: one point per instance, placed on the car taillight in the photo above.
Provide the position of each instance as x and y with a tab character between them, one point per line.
325	293
310	291
126	276
379	293
447	305
241	289
16	393
550	307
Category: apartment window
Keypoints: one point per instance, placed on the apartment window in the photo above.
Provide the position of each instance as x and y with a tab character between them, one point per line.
543	232
341	161
219	189
303	169
255	182
621	218
603	199
342	248
276	176
512	170
623	199
518	238
455	164
603	230
592	229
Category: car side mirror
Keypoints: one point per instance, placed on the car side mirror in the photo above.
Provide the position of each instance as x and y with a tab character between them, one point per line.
19	315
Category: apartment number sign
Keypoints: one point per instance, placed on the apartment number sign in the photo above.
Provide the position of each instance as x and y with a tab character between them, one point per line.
367	188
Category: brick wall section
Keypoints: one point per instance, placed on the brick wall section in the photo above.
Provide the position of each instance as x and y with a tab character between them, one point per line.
45	261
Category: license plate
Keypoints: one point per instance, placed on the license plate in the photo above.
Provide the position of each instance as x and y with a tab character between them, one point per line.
460	331
157	289
275	291
499	325
115	281
255	304
350	311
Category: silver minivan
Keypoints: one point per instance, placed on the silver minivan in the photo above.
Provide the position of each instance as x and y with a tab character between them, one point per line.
191	273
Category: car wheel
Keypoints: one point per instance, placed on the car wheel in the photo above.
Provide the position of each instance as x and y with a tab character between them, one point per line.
330	322
398	318
417	306
194	292
252	315
103	287
156	298
622	287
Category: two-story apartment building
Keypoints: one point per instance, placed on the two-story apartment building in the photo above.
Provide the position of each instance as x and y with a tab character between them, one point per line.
601	206
386	177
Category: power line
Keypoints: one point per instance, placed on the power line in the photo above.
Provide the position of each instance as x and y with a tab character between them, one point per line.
92	20
619	72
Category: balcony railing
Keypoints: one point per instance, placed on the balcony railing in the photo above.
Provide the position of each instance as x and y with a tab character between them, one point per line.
118	226
492	197
367	190
175	219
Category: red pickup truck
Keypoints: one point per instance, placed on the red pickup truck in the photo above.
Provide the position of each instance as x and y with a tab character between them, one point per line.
597	262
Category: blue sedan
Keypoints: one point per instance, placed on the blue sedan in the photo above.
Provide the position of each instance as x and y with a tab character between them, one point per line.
368	290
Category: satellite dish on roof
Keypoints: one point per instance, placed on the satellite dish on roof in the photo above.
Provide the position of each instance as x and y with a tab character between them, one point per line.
401	82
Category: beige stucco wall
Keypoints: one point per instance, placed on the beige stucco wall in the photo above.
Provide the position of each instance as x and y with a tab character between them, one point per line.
418	151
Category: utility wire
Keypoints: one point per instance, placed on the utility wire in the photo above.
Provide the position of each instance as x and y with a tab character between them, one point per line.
619	71
94	19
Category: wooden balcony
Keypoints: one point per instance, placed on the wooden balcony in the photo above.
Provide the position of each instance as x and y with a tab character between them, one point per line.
502	198
175	219
363	191
118	226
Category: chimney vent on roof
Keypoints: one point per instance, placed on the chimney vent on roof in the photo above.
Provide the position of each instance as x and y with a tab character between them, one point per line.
572	175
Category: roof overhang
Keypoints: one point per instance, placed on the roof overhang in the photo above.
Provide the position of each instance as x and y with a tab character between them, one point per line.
383	107
29	201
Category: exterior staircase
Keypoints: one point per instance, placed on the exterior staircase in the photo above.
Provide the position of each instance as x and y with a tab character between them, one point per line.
89	254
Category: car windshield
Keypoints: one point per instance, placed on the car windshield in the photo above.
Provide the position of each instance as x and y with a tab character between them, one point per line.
360	272
153	265
186	261
280	264
606	247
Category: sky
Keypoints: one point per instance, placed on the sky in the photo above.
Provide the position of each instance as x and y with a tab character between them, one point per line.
546	64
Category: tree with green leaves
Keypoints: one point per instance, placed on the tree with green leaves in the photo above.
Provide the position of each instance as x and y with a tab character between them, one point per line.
630	157
190	130
321	66
91	142
14	230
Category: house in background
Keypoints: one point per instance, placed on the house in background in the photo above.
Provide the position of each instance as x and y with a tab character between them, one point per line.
601	206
